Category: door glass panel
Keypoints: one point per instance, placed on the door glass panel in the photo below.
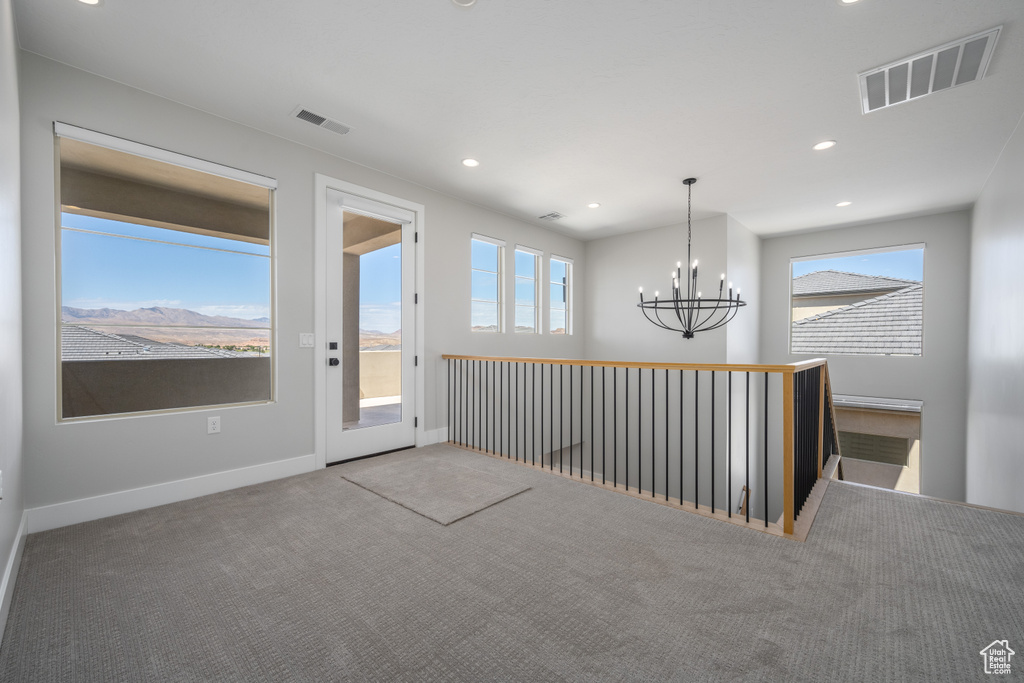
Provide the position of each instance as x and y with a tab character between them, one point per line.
372	322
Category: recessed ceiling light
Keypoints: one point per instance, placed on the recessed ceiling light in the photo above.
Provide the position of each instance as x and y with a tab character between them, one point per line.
824	144
464	3
593	205
844	203
847	2
472	163
89	2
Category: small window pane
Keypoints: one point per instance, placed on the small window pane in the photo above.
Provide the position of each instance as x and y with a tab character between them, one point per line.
526	292
485	256
485	316
557	271
526	319
485	286
526	264
557	296
557	321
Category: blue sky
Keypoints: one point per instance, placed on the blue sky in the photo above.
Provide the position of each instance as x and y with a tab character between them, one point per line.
103	271
380	289
907	264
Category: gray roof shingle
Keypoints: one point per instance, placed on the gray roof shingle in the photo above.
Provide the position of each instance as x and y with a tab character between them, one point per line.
825	282
78	343
889	325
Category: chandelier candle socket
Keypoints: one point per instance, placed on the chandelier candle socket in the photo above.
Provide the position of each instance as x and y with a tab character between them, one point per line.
687	311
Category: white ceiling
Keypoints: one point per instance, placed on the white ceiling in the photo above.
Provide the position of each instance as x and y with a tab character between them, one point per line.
566	102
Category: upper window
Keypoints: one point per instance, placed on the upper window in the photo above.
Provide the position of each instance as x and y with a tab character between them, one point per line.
864	303
165	281
560	290
526	289
486	305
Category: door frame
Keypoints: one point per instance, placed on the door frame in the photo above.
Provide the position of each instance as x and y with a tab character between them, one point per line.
322	184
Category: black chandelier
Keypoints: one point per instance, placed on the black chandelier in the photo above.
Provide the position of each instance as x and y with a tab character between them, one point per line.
691	313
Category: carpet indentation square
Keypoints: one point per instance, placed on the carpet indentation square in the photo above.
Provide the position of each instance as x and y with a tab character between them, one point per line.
438	490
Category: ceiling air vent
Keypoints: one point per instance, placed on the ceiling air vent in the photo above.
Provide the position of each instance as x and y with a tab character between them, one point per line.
946	66
553	216
321	121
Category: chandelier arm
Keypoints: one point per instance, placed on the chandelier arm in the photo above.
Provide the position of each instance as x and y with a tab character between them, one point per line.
727	318
678	310
701	323
663	324
656	322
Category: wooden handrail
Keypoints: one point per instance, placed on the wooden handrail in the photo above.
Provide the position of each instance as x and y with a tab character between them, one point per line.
787	369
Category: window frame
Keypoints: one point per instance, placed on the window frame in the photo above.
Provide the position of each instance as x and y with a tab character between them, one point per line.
538	257
569	292
66	131
500	275
917	246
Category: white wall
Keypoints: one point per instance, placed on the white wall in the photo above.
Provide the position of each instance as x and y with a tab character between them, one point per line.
616	329
70	461
10	299
995	410
939	376
744	259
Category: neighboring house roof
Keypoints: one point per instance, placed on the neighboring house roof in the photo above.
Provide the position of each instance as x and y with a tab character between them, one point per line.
79	343
890	324
826	282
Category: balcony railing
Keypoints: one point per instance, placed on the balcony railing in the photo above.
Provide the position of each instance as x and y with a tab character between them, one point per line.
749	444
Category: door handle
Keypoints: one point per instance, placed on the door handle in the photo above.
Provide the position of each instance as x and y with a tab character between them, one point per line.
333	362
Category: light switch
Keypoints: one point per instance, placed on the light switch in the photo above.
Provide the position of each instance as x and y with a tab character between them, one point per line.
306	340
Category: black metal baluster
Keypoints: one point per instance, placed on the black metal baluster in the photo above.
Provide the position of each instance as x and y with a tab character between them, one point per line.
515	412
615	426
591	424
666	433
604	426
542	416
551	418
561	412
746	452
728	441
766	449
696	439
626	406
581	422
639	431
713	441
501	396
654	421
681	459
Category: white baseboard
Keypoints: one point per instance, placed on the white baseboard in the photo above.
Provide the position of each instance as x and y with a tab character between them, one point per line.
432	436
11	573
87	509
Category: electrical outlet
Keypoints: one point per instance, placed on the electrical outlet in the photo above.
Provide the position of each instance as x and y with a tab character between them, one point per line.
213	425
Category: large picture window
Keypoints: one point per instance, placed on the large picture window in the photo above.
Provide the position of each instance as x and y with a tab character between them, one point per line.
165	281
868	302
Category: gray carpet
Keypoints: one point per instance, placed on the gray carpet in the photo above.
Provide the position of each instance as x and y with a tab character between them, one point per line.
313	578
436	488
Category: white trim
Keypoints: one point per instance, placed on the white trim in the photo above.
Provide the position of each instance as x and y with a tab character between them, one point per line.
530	250
11	574
432	436
322	183
903	405
857	252
490	240
563	259
92	137
87	509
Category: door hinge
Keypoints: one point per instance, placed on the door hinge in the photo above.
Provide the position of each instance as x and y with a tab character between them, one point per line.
415	422
415	237
416	298
415	361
